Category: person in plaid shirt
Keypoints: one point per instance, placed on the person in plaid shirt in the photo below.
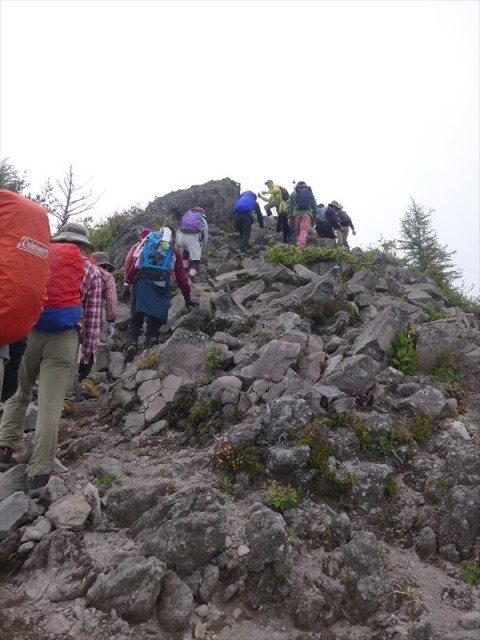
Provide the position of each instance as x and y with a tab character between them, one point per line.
50	356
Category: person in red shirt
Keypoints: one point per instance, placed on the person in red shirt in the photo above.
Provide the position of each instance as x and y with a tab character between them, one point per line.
150	301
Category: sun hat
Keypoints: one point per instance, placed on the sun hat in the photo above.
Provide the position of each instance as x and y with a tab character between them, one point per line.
102	260
267	182
75	233
335	204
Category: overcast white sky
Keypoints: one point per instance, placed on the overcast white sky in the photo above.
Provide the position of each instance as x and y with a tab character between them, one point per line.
369	102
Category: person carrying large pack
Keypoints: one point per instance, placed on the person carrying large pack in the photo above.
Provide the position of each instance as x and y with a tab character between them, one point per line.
243	209
192	239
73	306
157	262
346	224
24	269
302	209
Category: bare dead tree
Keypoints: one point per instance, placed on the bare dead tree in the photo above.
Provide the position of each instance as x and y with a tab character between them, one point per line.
72	200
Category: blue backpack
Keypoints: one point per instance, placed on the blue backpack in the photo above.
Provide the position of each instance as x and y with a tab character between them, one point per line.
303	197
158	252
245	203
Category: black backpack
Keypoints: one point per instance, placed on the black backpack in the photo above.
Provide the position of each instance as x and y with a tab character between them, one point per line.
285	194
303	197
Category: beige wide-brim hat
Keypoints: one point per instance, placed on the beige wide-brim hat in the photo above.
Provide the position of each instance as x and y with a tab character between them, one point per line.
102	260
75	233
267	182
336	204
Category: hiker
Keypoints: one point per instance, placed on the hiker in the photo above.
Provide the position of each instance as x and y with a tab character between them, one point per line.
274	197
109	291
345	224
302	210
192	238
157	261
331	216
243	209
129	269
73	305
282	221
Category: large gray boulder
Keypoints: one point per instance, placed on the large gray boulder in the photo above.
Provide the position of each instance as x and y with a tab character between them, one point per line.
131	588
175	605
275	358
267	540
15	510
354	375
459	522
377	336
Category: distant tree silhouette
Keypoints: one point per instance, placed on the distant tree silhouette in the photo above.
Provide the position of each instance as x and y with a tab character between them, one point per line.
11	178
72	200
421	248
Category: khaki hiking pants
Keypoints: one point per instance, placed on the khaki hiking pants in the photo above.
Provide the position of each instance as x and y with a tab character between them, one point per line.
48	357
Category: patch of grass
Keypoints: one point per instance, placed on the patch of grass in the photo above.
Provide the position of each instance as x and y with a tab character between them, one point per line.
421	426
225	484
390	487
319	314
435	314
290	255
364	435
469	573
201	411
445	368
436	491
315	436
339	485
282	497
150	361
343	419
108	480
214	357
233	458
386	445
402	355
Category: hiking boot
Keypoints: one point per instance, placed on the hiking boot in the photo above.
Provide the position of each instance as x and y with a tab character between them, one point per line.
150	342
36	484
67	409
130	352
5	458
88	389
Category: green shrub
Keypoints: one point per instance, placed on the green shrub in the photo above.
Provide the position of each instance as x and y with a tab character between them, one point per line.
339	485
435	314
214	357
445	368
225	484
313	435
402	353
320	313
421	426
386	445
281	497
201	411
364	435
469	573
390	487
108	480
233	458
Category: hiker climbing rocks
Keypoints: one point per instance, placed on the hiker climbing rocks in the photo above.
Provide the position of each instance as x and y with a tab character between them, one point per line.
109	291
158	259
192	239
331	216
324	229
274	198
302	210
73	305
243	209
345	224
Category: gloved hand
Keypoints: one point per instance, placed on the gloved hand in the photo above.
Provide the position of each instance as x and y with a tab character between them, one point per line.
126	293
110	329
191	304
354	232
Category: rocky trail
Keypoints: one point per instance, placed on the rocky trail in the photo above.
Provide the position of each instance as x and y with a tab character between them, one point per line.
264	473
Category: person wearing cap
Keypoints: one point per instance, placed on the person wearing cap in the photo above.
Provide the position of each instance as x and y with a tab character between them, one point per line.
192	239
274	197
129	269
109	290
331	216
50	355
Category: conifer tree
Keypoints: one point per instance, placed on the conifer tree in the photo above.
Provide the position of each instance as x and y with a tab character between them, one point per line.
423	252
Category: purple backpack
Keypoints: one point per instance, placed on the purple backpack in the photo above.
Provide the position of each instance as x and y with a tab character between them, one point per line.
191	222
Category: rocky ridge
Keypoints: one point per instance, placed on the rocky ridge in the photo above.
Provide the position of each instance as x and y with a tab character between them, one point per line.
264	473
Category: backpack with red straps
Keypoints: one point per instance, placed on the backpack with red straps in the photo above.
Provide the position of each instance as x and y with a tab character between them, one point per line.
24	264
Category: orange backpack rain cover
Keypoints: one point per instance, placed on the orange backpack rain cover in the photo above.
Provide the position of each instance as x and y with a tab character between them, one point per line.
24	264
